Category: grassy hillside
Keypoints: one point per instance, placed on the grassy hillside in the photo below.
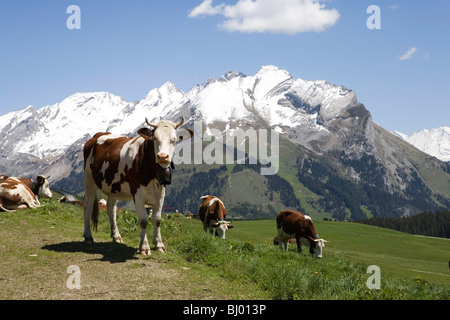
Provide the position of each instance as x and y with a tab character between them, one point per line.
39	245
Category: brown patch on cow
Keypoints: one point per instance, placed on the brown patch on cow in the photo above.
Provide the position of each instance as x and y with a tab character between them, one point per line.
27	182
143	223
10	201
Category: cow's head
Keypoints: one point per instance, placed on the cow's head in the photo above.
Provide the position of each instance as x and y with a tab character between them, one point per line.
165	137
221	227
44	188
317	247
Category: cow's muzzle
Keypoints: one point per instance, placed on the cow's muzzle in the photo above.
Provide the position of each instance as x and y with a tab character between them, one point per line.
163	160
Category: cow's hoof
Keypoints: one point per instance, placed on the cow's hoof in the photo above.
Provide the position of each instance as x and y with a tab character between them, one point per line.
146	252
161	249
117	240
89	240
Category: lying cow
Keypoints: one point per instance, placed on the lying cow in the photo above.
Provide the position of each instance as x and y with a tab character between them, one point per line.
212	214
16	194
294	224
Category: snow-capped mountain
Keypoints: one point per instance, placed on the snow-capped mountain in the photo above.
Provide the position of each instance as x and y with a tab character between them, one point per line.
327	136
272	95
435	142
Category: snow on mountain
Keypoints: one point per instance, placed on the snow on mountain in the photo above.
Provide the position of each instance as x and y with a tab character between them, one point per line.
435	142
54	128
272	95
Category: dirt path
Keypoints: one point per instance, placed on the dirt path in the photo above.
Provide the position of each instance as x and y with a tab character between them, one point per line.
34	265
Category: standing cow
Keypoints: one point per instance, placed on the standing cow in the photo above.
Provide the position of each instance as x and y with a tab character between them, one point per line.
212	213
126	168
294	224
21	193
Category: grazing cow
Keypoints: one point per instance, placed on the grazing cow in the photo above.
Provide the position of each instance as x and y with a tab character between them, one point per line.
212	213
126	168
294	224
14	195
40	187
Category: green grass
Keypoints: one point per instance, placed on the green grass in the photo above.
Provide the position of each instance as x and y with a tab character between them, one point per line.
38	245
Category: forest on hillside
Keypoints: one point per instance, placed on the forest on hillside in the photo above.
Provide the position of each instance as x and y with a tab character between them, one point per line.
426	224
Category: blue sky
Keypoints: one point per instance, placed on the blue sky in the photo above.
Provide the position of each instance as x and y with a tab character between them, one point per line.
130	47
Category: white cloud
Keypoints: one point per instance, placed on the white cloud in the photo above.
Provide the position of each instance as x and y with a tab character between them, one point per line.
276	16
408	55
394	6
205	9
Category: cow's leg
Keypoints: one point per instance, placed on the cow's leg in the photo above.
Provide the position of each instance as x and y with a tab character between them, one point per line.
157	239
90	199
112	211
280	244
299	245
139	203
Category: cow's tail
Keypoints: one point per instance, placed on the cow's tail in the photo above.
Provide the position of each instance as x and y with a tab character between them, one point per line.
5	210
94	215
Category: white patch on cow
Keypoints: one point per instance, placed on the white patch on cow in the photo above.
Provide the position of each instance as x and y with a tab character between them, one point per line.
127	155
105	166
103	138
307	217
212	202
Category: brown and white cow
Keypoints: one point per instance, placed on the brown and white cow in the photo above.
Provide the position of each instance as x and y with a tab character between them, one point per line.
212	214
15	195
126	168
294	224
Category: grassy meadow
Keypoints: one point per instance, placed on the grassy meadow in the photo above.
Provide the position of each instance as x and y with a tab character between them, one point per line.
38	245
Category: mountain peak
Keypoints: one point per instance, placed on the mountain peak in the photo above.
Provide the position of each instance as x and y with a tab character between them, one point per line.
229	75
435	142
271	70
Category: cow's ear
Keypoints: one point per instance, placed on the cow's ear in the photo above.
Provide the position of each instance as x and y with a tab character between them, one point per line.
230	226
146	133
40	180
